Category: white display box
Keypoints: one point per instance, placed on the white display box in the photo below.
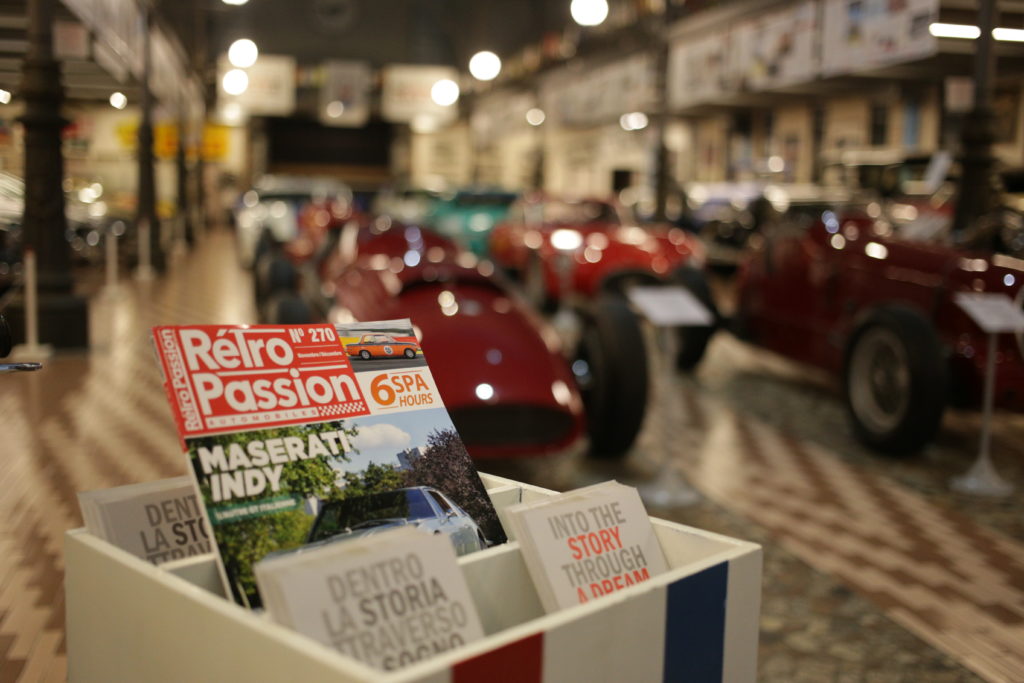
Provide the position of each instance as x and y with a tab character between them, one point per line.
128	620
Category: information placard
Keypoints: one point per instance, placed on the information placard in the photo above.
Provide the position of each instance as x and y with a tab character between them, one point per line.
993	312
671	306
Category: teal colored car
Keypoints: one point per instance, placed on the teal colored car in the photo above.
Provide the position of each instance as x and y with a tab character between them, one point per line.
468	217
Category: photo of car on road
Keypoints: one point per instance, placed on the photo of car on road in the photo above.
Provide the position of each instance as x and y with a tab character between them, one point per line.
382	346
422	507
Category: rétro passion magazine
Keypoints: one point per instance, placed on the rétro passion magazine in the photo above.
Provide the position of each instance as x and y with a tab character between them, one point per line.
300	435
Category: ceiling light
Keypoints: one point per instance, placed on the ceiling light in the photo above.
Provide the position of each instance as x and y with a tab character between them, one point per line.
485	66
235	2
589	12
243	53
535	117
445	92
232	114
118	100
424	124
335	109
636	120
965	31
5	96
1013	35
235	82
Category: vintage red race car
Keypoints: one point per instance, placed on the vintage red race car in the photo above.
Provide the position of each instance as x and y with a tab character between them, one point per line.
382	346
498	365
578	249
839	289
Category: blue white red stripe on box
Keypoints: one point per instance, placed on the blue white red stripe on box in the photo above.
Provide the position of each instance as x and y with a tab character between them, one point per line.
697	628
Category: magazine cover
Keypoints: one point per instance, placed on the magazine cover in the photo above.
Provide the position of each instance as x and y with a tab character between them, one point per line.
304	434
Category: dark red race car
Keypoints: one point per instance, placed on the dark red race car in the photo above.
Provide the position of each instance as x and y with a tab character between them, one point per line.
578	249
498	365
841	290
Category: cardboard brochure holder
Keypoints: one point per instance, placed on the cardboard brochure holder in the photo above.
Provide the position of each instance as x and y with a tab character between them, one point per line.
128	620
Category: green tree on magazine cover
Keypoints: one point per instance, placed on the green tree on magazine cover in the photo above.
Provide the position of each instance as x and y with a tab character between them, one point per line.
374	479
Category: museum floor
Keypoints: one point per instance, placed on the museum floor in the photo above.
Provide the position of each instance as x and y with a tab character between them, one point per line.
874	571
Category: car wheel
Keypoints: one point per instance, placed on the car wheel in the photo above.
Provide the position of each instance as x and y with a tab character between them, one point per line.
693	341
364	354
611	367
895	381
409	353
287	308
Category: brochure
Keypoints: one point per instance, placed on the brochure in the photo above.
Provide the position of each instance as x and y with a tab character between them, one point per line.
387	600
295	439
587	543
157	521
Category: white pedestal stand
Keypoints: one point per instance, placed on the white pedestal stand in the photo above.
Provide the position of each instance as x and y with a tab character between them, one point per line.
110	247
31	350
982	479
994	313
145	272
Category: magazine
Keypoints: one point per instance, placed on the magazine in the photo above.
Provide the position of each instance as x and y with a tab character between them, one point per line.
295	438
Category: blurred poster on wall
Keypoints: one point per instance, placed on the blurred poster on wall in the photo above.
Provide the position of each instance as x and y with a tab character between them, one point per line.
859	35
701	69
405	94
345	94
501	112
216	144
271	88
577	96
776	49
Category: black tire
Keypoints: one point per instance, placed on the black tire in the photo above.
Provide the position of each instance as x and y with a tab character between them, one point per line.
613	378
364	354
409	353
288	308
895	380
693	341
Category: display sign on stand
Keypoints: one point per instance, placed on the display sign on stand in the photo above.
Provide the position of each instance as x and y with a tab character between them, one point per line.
671	307
995	314
666	308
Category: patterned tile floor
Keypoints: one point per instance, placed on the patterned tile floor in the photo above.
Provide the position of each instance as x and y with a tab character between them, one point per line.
874	571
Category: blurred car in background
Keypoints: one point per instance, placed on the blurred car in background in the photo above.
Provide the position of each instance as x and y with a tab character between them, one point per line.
468	216
497	364
12	205
513	386
269	212
838	288
406	203
729	215
90	216
576	250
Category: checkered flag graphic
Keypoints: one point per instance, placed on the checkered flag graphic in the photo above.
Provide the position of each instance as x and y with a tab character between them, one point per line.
346	409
